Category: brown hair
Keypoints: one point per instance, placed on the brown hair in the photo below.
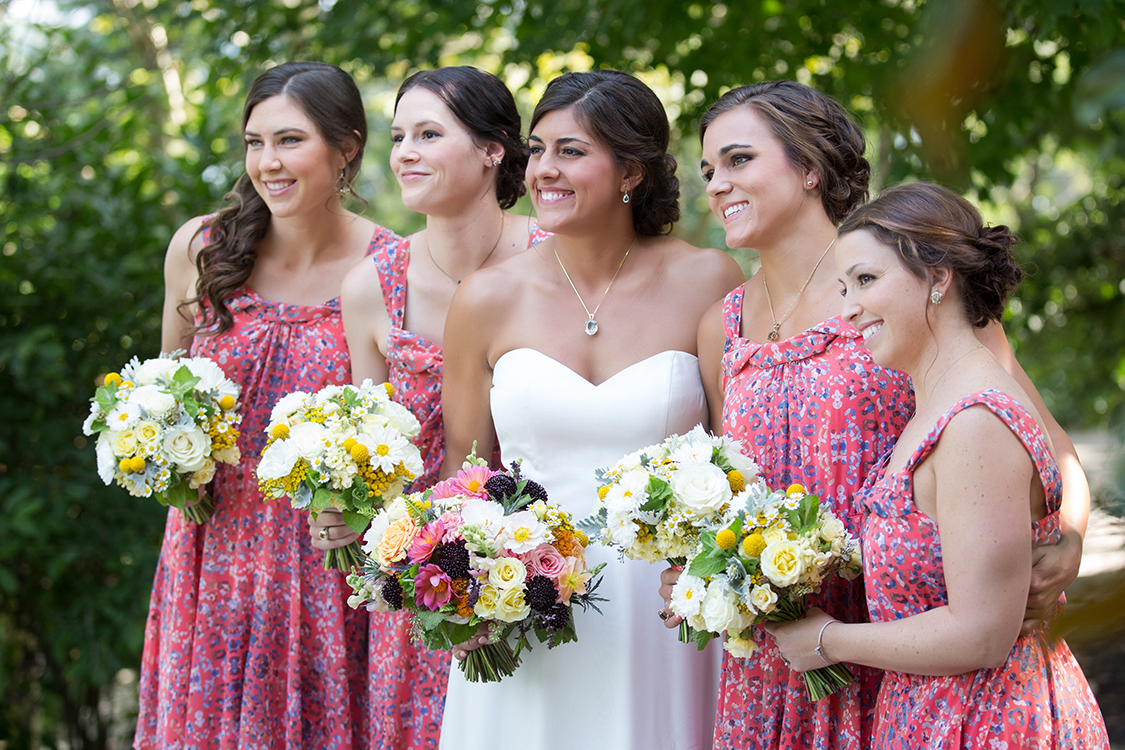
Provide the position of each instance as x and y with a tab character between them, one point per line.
817	134
487	109
932	227
626	116
330	98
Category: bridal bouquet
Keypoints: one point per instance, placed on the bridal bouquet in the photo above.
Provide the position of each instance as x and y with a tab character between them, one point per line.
758	562
344	447
162	425
485	548
654	504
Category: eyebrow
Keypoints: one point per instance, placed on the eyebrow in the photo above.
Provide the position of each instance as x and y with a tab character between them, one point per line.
724	151
564	139
848	272
421	124
283	131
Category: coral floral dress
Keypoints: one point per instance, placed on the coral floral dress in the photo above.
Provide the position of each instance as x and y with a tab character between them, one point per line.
1039	698
813	409
249	642
407	681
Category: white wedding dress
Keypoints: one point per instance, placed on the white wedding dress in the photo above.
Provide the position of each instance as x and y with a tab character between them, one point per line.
628	682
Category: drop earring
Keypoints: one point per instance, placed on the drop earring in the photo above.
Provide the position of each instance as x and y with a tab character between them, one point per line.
625	198
342	186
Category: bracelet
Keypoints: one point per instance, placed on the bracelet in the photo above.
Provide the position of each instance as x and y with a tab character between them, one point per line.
820	642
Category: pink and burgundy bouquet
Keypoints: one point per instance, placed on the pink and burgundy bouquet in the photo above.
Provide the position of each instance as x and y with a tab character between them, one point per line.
483	549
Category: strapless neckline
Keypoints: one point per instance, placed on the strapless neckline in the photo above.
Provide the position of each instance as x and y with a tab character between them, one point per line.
620	374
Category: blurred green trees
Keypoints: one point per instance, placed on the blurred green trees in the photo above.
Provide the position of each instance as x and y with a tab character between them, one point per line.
118	121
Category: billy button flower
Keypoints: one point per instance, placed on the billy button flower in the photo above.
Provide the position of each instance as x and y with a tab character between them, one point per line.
390	389
795	490
227	402
279	432
736	480
725	539
132	465
603	491
753	545
111	377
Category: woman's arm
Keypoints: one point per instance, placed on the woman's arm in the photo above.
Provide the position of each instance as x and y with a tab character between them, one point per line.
180	276
711	341
1054	566
366	322
981	476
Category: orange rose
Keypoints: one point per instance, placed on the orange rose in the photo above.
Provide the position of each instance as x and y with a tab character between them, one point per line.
396	540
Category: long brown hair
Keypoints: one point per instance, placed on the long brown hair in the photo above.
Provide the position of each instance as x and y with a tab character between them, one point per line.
331	99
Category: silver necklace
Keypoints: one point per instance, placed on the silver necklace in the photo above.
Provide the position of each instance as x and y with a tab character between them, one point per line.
503	220
591	326
774	334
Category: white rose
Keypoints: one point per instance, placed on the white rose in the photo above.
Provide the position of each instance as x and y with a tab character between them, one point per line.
107	463
154	400
720	607
511	605
308	440
187	448
763	599
123	442
739	647
212	379
286	407
401	418
701	487
783	563
775	534
148	371
147	431
831	528
203	475
277	460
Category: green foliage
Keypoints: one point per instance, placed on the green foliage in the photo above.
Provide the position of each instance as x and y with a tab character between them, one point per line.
120	121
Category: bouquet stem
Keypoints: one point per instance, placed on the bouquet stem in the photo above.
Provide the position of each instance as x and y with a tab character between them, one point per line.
199	512
687	632
825	681
344	558
490	663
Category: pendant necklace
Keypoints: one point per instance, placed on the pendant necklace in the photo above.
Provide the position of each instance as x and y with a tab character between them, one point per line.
503	220
591	326
774	334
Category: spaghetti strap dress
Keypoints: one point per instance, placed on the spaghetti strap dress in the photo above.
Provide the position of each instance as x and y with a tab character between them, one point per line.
1039	698
407	682
249	642
813	409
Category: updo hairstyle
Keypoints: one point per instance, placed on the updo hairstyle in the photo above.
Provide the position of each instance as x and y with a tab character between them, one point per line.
624	115
329	97
817	134
487	109
932	227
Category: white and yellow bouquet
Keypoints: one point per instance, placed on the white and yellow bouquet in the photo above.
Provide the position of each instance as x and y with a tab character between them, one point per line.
654	503
759	562
162	425
345	447
485	548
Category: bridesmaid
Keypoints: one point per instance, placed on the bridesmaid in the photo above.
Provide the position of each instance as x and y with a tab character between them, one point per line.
961	499
784	165
576	353
459	160
249	641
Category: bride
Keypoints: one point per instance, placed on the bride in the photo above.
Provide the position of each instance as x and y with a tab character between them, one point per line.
573	355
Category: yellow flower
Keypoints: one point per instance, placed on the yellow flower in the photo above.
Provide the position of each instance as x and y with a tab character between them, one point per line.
280	432
581	537
753	545
390	390
348	444
227	402
602	491
795	490
111	377
126	465
725	539
737	481
138	464
359	452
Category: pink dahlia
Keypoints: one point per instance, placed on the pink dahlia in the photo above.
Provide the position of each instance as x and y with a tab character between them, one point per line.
424	542
470	481
432	588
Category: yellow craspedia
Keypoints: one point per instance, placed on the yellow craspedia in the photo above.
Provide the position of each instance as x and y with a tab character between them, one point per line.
725	539
349	444
603	491
280	431
753	545
390	390
227	402
126	465
112	377
138	464
581	537
737	481
795	489
359	453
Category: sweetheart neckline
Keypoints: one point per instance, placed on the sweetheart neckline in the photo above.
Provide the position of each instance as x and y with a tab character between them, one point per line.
569	369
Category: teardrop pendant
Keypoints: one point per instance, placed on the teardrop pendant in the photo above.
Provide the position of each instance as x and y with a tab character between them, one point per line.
591	327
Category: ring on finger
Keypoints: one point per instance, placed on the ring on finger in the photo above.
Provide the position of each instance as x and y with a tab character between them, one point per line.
323	534
663	614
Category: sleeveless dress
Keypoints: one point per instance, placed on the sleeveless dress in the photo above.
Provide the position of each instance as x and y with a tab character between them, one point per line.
249	642
627	683
813	409
1039	698
407	681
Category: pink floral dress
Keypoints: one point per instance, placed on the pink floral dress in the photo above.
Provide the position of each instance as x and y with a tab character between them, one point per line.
1039	698
407	681
812	409
249	642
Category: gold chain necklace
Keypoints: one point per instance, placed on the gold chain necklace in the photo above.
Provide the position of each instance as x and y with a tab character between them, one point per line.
591	326
773	335
503	220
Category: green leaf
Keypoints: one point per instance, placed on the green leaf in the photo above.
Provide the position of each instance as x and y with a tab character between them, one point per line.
711	560
357	522
702	638
659	495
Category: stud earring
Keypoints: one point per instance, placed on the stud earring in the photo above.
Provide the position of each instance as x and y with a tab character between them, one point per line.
809	183
495	162
935	297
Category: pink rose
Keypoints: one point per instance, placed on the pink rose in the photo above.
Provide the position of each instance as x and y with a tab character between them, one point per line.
396	540
425	541
451	520
544	560
432	588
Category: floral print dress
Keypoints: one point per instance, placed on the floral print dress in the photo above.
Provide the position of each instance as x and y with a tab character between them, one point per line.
813	409
407	681
1039	698
249	642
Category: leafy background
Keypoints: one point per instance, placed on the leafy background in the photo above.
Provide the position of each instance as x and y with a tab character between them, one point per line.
119	120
